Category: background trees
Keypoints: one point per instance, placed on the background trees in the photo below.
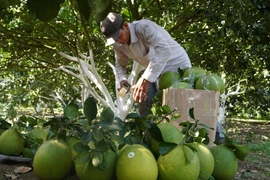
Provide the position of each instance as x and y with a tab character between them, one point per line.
230	38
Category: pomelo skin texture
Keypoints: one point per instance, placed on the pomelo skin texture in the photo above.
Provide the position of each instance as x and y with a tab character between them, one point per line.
53	160
191	75
175	166
226	163
167	79
136	162
210	82
183	85
90	172
11	142
206	160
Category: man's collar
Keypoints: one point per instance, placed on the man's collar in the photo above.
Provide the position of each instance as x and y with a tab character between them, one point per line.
133	37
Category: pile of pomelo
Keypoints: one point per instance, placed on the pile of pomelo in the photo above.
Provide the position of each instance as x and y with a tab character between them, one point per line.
192	78
54	159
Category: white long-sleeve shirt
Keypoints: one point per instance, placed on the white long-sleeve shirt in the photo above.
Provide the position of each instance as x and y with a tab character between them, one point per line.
153	48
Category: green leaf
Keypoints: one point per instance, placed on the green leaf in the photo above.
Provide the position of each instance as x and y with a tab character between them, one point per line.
102	146
107	116
90	109
98	134
191	113
71	111
79	147
165	147
166	109
82	157
133	116
207	127
115	126
154	131
102	9
85	9
4	124
86	137
175	117
241	151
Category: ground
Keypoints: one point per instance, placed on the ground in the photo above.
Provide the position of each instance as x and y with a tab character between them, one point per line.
256	165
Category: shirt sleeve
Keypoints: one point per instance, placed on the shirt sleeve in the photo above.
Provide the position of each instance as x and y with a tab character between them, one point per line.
121	62
152	34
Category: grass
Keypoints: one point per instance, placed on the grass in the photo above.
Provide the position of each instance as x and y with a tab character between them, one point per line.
263	147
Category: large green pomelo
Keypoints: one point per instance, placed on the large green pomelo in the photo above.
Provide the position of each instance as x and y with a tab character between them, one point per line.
181	84
206	160
210	82
71	142
89	172
191	75
53	160
11	142
226	163
167	79
136	162
179	163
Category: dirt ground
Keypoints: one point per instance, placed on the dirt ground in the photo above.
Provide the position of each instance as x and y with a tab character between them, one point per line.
256	167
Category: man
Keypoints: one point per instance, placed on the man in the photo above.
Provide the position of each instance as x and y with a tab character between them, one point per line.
148	44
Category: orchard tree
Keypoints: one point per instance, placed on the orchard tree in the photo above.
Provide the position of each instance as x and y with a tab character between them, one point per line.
42	40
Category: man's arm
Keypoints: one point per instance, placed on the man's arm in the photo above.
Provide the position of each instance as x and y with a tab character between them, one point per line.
151	32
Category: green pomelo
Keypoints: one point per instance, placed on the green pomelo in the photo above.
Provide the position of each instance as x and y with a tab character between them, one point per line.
210	82
71	142
226	163
1	131
206	160
136	162
221	83
167	79
11	142
38	133
179	163
180	84
89	172
191	75
53	160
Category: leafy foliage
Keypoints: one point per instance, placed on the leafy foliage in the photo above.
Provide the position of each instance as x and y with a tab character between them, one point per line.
217	35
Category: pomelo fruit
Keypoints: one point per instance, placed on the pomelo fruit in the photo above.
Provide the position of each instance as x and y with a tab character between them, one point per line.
206	160
167	79
210	82
179	163
191	75
71	142
226	163
38	133
53	160
181	84
11	142
136	162
90	172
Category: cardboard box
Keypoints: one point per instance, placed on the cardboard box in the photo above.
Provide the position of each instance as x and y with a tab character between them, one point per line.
204	102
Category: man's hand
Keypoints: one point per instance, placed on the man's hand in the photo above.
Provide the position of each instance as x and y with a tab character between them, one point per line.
141	89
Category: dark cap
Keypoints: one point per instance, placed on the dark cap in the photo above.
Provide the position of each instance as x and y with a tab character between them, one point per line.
110	27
